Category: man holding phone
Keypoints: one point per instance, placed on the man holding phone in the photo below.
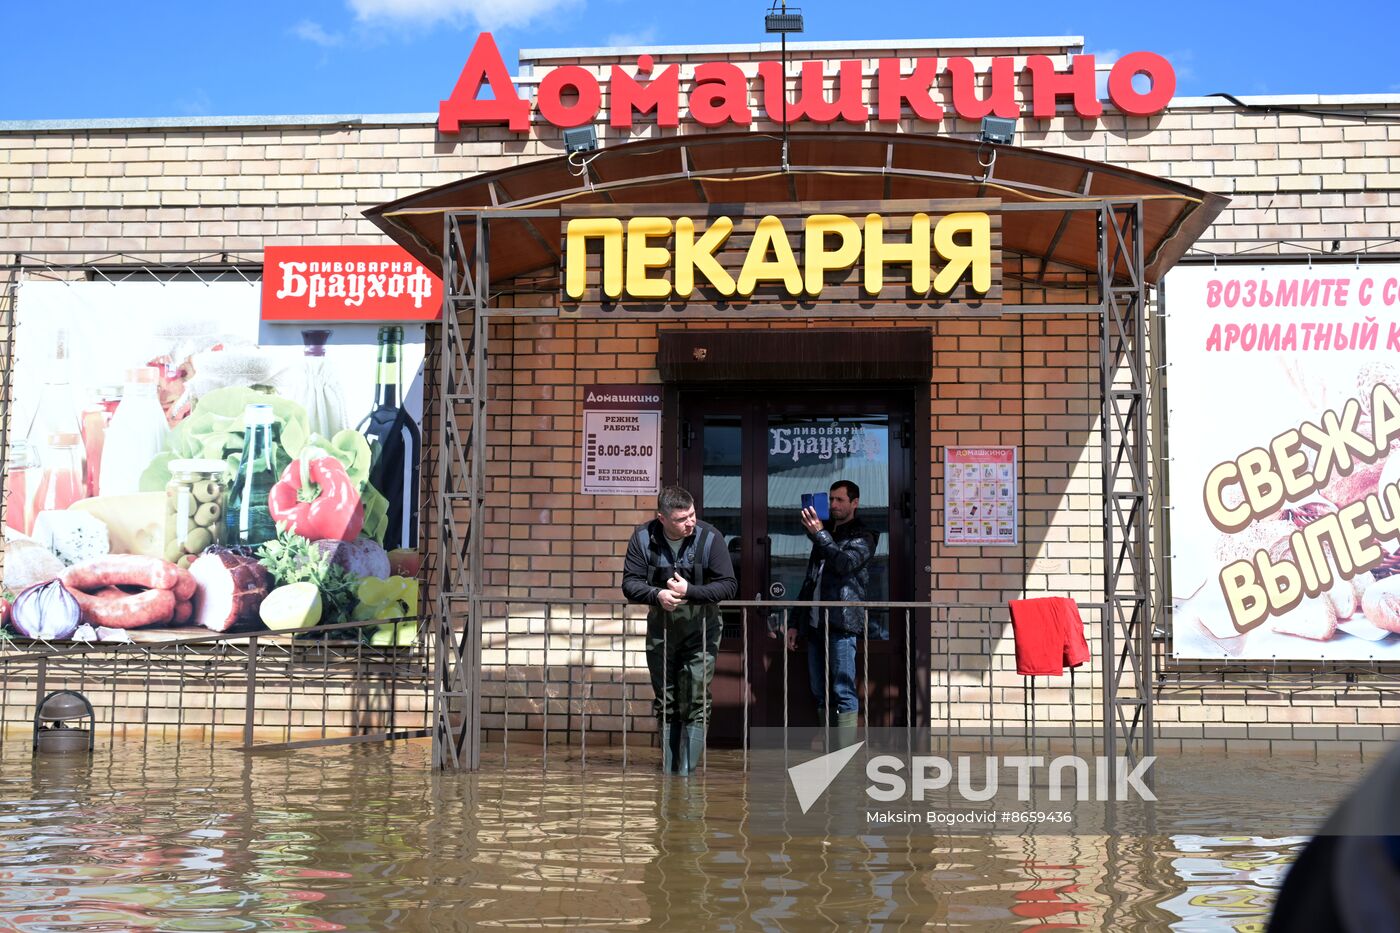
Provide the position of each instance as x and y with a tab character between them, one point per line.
837	571
680	567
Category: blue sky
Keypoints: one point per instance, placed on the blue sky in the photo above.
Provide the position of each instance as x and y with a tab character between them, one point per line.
85	59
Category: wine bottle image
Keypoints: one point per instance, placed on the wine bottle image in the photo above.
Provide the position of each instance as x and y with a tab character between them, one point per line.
395	444
246	516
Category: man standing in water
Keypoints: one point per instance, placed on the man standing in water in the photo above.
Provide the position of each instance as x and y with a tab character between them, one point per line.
680	567
838	570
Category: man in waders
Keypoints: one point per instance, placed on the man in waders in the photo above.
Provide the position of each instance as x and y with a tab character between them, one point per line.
680	567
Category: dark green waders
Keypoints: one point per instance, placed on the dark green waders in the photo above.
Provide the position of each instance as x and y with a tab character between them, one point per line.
681	651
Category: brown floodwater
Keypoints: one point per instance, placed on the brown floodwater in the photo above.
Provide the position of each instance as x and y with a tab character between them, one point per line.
187	838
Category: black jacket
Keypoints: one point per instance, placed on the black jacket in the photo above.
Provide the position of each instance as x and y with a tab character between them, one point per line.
703	561
840	564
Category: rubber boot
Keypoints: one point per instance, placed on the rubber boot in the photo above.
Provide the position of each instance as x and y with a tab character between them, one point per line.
846	729
692	751
672	749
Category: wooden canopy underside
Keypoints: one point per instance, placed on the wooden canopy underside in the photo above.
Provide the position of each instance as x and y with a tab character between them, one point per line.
1050	237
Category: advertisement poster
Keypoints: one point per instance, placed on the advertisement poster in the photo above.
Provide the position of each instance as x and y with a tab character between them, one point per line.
979	495
1284	424
178	467
347	283
621	440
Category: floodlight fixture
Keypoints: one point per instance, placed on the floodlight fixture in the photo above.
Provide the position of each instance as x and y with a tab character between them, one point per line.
998	130
580	139
783	21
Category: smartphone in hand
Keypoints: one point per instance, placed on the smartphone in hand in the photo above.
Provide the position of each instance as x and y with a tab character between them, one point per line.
819	501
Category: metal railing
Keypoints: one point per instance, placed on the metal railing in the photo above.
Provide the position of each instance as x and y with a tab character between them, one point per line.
572	673
322	687
556	672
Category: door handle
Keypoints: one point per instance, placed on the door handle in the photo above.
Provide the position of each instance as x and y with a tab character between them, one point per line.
765	553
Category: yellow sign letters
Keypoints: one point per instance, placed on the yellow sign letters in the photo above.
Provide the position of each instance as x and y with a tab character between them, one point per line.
636	256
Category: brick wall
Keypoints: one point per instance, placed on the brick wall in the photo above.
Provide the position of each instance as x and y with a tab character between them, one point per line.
1029	381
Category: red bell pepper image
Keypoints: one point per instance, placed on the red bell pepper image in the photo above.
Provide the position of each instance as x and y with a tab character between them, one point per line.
315	498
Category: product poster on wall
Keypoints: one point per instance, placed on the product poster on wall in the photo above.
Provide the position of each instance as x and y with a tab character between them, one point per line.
979	495
1284	425
177	466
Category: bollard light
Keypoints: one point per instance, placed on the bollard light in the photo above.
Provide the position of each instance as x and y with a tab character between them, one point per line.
63	723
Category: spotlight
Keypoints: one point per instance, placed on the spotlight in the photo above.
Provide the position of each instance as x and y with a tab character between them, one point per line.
999	130
580	139
783	21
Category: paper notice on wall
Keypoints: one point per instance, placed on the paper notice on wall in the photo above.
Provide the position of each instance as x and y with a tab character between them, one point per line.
979	495
621	440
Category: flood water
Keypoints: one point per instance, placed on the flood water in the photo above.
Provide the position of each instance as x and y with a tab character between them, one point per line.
184	838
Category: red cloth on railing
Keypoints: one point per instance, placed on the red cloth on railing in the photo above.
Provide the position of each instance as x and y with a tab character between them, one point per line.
1049	635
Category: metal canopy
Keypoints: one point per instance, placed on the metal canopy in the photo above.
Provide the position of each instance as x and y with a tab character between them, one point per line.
733	168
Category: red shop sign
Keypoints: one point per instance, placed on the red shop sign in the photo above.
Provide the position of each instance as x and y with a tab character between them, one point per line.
722	93
337	284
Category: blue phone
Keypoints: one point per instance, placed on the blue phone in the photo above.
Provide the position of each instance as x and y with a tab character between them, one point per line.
819	501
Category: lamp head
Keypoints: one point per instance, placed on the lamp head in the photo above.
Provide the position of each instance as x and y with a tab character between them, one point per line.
580	139
999	130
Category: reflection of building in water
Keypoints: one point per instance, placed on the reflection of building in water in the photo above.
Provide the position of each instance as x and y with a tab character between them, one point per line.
365	840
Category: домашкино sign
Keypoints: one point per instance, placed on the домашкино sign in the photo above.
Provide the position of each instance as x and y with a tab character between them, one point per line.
719	93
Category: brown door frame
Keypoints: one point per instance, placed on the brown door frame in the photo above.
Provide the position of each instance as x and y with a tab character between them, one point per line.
908	405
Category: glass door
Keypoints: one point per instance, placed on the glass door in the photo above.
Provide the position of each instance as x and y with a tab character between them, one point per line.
749	459
805	455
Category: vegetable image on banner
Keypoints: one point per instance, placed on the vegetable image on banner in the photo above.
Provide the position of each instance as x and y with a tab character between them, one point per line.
1284	416
179	466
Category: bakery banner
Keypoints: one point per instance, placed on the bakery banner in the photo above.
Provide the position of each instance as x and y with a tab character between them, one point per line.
1283	398
178	466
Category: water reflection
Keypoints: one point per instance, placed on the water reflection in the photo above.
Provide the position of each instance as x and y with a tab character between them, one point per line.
174	838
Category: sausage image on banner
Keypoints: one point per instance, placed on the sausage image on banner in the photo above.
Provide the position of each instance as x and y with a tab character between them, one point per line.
127	591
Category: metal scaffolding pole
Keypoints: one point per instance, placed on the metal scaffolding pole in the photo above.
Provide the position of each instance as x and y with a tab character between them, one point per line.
1124	444
456	624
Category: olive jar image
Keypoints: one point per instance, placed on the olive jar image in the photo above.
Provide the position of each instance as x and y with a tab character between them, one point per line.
194	509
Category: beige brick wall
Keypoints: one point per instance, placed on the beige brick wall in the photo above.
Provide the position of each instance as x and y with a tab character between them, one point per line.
1027	381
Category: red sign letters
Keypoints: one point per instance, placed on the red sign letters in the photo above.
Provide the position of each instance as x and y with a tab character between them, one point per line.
570	95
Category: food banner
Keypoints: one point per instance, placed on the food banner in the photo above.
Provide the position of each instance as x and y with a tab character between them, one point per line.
1283	432
178	466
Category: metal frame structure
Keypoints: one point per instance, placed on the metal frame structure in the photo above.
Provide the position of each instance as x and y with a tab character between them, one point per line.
461	499
1131	478
204	673
1127	569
